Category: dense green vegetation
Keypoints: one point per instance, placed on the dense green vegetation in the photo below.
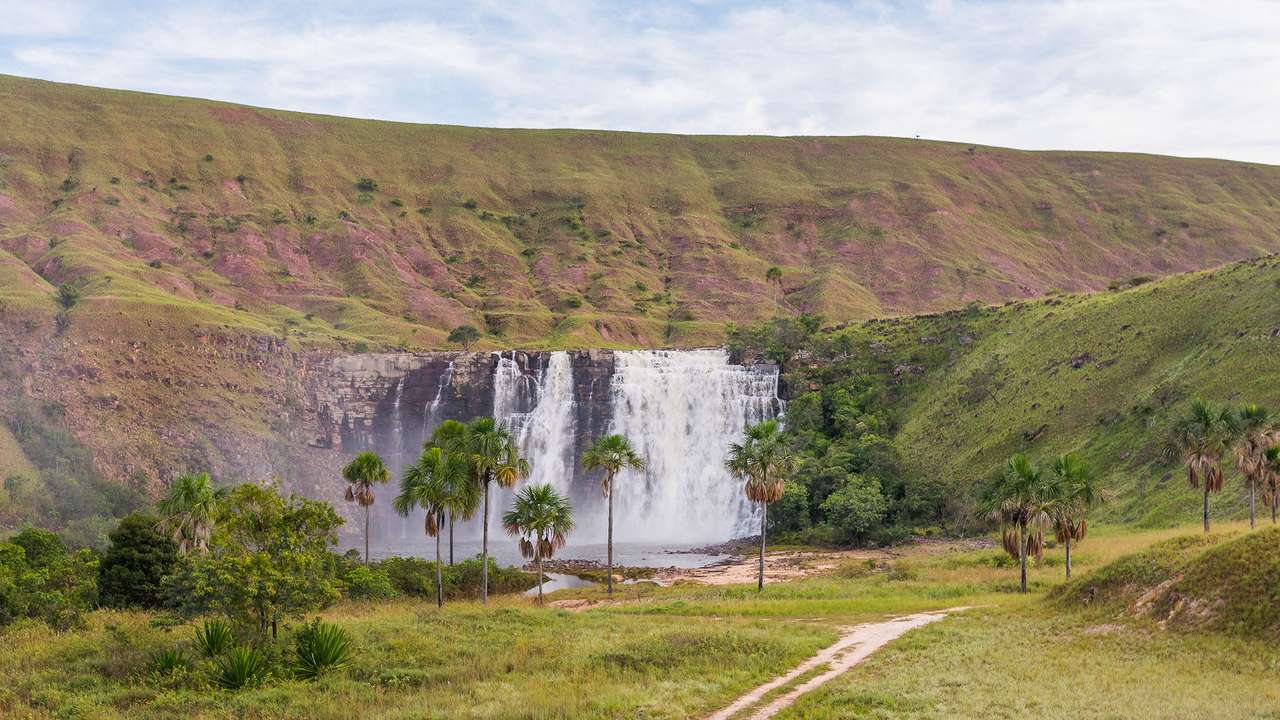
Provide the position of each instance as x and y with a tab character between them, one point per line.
901	422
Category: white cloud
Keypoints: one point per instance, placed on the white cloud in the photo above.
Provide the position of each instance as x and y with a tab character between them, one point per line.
1170	77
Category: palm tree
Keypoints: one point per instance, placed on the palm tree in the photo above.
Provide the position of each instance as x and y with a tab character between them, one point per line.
540	517
612	453
1271	480
1073	493
361	474
431	483
774	276
465	496
1020	500
764	460
494	457
188	511
1200	438
1257	433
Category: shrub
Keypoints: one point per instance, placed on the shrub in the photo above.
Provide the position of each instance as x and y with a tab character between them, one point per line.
68	295
240	667
366	184
368	583
320	648
417	577
40	579
133	566
168	661
213	638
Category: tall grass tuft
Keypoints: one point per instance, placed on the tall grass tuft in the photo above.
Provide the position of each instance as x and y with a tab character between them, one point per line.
213	638
321	648
240	667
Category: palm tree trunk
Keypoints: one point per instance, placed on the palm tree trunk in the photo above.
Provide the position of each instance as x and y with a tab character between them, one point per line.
764	522
439	575
450	537
366	534
1273	513
1253	510
1206	505
539	556
1068	557
1022	556
484	549
610	540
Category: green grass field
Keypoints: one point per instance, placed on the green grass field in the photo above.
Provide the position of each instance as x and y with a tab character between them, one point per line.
683	651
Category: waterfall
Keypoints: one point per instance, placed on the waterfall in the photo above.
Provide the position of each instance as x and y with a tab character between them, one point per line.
681	410
547	431
431	418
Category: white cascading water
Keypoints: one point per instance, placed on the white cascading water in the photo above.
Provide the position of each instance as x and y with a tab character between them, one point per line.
681	410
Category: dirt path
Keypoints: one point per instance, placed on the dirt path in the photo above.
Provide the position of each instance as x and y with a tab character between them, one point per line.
854	647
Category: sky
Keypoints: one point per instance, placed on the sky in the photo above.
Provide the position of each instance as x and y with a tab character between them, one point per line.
1177	77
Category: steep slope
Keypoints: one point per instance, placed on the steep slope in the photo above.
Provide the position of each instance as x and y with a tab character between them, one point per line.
1104	374
385	233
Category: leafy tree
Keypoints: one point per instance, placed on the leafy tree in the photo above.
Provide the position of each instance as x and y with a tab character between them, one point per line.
493	457
431	483
1020	500
268	559
613	454
50	583
765	461
541	518
464	335
1073	492
1257	433
1200	438
135	563
856	507
361	474
188	511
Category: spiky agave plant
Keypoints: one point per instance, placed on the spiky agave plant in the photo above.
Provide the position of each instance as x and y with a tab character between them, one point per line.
320	648
1199	438
764	460
541	518
240	667
169	661
361	474
213	638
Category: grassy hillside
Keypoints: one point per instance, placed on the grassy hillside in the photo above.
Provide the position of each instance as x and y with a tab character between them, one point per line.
385	233
1104	374
1216	582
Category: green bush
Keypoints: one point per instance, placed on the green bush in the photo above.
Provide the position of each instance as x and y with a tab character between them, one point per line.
321	648
368	583
240	667
417	577
366	184
137	560
50	584
213	638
